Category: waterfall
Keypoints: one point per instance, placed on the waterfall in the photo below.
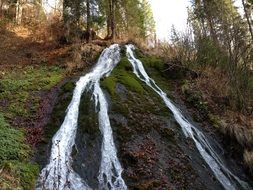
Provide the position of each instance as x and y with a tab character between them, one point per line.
58	173
221	172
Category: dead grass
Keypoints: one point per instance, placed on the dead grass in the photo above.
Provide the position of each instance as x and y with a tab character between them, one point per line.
7	181
248	158
82	55
240	127
213	84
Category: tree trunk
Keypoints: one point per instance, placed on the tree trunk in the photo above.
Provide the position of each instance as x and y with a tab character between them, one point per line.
113	25
248	18
108	19
77	12
19	10
89	36
1	8
210	21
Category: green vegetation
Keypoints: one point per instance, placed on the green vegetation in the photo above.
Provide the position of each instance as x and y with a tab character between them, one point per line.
109	84
122	74
155	67
12	143
16	172
19	86
24	175
153	62
20	98
214	120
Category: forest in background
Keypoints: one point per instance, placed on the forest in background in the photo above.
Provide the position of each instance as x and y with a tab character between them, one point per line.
84	19
217	45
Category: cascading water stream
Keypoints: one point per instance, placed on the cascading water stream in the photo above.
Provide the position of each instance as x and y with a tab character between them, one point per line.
58	174
110	168
222	173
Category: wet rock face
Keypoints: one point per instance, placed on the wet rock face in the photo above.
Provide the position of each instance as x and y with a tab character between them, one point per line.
64	95
151	146
88	143
88	140
148	145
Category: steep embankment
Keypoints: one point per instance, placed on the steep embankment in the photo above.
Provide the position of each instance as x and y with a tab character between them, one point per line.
31	74
150	138
151	145
152	148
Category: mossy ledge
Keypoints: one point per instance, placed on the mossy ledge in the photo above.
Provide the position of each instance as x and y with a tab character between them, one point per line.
122	74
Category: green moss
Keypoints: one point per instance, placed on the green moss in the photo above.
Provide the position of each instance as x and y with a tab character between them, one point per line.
122	74
18	109
154	62
20	91
12	145
17	88
130	81
68	87
123	65
154	66
88	118
17	173
109	84
24	173
121	108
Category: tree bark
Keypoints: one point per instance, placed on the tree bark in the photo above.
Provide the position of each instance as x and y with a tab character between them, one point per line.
89	36
1	8
77	12
19	10
113	25
210	21
248	18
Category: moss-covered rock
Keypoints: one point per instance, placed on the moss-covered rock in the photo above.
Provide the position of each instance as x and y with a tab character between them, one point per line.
122	73
68	87
109	84
153	62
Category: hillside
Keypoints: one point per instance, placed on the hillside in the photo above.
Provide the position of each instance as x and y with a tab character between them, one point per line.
91	99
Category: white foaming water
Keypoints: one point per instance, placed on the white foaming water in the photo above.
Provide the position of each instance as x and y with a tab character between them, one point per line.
58	174
222	173
110	168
